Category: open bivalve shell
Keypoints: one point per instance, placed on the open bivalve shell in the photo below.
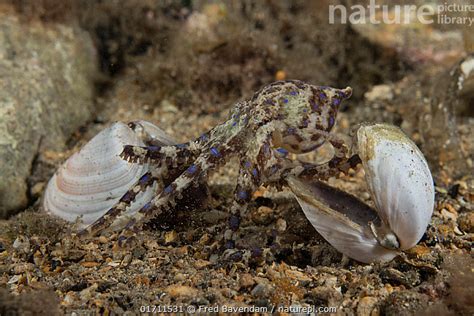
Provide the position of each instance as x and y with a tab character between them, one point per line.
92	180
400	185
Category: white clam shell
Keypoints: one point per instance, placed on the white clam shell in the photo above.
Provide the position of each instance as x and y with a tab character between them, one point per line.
401	187
341	219
399	180
92	180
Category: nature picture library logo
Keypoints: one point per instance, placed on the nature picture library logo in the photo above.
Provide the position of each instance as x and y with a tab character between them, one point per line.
447	13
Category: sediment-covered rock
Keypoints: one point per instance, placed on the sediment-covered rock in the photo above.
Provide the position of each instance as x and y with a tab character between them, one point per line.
46	91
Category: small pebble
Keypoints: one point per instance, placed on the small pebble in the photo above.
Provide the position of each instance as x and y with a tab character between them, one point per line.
446	215
89	264
379	92
175	291
200	263
466	222
281	225
171	237
280	75
37	189
299	276
204	240
246	280
179	277
22	244
69	298
126	260
262	290
14	279
367	306
262	216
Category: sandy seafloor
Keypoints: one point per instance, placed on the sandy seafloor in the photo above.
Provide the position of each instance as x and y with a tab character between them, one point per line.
181	65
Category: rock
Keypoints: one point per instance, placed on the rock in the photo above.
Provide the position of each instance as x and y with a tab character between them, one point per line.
413	47
451	101
46	73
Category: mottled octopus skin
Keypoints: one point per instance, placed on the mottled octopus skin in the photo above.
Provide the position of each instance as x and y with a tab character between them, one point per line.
284	116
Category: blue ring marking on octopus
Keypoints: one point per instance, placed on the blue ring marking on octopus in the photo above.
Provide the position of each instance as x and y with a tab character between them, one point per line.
215	152
291	130
234	221
153	148
322	96
331	121
146	207
282	151
129	225
126	197
336	102
168	189
248	164
242	195
293	92
255	172
285	100
192	169
144	179
204	137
